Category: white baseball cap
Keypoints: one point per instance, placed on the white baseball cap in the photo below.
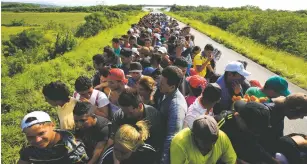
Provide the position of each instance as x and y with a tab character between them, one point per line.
163	50
158	36
135	50
40	117
237	67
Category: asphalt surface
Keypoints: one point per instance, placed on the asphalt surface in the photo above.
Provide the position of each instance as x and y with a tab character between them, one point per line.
258	73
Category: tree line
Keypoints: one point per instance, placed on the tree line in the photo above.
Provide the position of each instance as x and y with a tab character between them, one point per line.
283	30
24	7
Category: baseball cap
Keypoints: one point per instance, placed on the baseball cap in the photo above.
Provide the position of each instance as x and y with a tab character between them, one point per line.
135	67
278	84
255	83
163	50
197	81
135	50
236	66
193	72
117	74
38	117
126	52
148	71
205	127
158	36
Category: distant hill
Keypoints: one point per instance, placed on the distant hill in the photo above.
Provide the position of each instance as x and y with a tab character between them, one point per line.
14	5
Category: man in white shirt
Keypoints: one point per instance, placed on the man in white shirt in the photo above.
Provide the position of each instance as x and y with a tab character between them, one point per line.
86	92
203	104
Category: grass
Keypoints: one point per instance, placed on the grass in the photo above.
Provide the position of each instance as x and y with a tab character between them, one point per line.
23	91
7	31
279	62
71	20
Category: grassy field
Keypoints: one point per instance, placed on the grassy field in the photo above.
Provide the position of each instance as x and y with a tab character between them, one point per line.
24	90
282	63
71	20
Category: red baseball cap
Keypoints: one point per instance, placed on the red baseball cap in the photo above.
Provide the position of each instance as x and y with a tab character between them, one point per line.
117	74
255	83
197	81
192	72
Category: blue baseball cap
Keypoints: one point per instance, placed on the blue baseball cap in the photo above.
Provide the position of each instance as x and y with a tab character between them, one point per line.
148	71
278	84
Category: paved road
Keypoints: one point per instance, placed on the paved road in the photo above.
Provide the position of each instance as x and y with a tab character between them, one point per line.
258	73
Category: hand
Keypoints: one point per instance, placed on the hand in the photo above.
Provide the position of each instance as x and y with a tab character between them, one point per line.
236	87
210	57
84	99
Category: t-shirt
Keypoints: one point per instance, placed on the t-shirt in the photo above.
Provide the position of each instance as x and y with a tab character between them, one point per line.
190	100
145	154
91	136
198	61
65	114
117	51
97	98
96	79
67	150
195	110
247	146
183	150
151	114
255	91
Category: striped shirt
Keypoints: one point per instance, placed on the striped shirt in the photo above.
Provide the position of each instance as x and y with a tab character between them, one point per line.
145	154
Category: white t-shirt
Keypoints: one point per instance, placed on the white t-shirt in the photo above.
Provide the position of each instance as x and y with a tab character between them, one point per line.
97	98
195	110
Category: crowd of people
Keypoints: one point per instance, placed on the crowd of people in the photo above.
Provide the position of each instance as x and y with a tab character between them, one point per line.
156	98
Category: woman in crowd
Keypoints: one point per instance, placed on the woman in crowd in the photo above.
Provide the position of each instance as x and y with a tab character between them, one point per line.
129	146
146	88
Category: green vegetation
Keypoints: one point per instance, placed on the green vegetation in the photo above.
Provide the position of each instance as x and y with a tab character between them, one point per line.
42	19
283	30
27	7
22	93
283	63
52	40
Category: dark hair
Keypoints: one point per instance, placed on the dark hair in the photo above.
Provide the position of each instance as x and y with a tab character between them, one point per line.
192	37
56	91
196	48
127	98
243	62
181	62
115	40
212	93
209	47
145	62
104	71
173	75
82	108
132	38
196	91
98	59
128	32
125	36
156	57
83	83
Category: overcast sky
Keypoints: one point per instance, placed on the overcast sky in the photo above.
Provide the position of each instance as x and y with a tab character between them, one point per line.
264	4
